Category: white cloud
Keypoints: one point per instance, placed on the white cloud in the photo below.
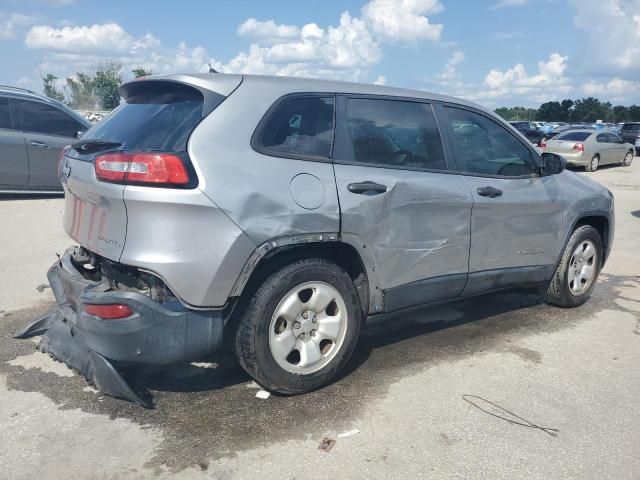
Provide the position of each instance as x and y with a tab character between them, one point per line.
108	38
403	20
449	73
508	3
613	30
267	31
615	90
344	51
13	23
381	80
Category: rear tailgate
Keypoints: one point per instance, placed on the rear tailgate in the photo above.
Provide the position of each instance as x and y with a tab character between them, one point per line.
94	212
158	115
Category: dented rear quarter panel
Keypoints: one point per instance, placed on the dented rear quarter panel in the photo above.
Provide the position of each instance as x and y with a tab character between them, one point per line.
255	190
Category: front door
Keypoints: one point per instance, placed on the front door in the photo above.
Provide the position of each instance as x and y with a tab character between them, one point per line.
47	130
14	163
397	198
517	213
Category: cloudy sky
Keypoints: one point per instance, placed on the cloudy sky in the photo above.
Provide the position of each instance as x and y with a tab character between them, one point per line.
496	52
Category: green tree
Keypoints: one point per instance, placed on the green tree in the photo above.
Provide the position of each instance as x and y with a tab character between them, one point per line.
106	83
517	113
50	89
140	72
591	109
620	113
80	91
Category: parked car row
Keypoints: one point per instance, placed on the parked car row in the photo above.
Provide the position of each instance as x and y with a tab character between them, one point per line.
33	131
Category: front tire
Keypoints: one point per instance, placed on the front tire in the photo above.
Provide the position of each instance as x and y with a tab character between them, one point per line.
300	327
578	270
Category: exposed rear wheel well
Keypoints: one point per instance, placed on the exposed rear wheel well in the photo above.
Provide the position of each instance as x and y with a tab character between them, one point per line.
339	253
601	224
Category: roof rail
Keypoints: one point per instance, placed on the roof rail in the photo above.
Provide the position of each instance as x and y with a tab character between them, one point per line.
18	88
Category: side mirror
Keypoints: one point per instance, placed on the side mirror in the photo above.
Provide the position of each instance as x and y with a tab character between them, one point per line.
552	164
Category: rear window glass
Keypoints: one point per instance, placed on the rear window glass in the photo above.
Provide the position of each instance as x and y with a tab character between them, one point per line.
574	136
153	119
300	126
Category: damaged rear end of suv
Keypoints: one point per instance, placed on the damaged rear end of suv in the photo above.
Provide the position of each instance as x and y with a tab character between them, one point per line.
131	200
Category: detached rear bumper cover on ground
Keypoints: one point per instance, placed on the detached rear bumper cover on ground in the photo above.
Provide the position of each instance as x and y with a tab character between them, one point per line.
154	334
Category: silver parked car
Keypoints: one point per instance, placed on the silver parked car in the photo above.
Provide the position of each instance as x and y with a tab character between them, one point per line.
590	149
33	131
278	214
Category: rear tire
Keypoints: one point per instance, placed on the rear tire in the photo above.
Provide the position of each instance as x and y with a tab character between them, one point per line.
288	340
578	270
628	158
593	164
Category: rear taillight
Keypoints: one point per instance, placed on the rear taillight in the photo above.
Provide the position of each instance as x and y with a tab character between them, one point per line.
142	168
109	311
578	147
543	143
63	152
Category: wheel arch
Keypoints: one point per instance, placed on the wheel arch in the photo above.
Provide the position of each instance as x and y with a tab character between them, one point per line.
274	254
598	219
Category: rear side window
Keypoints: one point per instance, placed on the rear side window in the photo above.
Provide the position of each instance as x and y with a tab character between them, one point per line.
575	136
484	147
395	134
36	117
300	126
5	114
155	117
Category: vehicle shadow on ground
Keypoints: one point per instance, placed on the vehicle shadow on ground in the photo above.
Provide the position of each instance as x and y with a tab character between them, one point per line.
220	402
224	371
636	213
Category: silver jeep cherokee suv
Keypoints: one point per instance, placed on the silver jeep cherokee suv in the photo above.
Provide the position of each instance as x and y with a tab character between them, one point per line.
287	211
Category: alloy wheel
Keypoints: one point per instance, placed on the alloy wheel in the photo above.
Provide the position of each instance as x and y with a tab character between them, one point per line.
308	328
582	267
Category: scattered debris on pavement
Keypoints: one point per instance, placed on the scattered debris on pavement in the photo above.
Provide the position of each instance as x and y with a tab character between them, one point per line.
263	394
349	433
486	406
326	444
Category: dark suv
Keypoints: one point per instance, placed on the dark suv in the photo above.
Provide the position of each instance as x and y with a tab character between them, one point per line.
534	135
630	133
33	130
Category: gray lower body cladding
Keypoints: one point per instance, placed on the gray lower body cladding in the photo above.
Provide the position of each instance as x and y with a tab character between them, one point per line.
156	333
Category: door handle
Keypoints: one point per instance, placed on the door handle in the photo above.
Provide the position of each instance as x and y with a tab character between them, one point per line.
489	192
366	188
37	144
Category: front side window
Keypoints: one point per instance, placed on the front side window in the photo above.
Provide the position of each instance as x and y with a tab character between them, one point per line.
602	138
36	117
5	114
393	133
300	126
484	147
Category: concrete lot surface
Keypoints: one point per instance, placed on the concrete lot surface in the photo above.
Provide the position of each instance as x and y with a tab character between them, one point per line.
404	401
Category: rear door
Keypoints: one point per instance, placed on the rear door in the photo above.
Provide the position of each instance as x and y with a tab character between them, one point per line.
47	129
14	163
604	148
397	197
517	214
617	148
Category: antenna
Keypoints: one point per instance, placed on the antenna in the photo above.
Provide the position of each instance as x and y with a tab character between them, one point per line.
211	69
